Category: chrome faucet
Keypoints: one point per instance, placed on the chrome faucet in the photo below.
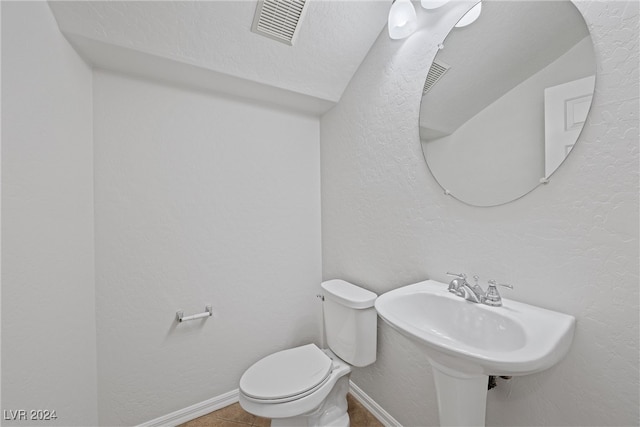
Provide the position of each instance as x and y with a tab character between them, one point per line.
472	293
462	288
475	293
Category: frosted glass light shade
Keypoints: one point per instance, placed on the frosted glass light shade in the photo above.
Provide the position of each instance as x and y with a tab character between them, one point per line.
470	16
433	4
402	19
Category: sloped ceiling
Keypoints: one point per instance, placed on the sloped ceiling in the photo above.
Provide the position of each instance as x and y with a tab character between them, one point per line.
211	41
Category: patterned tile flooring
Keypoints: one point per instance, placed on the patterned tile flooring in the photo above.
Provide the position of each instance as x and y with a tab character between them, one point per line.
235	416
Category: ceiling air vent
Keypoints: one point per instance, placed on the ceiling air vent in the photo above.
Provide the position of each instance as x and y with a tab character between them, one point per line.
437	70
278	19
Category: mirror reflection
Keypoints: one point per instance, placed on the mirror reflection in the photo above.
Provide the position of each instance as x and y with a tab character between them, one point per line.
506	99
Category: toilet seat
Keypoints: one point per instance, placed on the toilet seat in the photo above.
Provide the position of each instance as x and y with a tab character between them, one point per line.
286	375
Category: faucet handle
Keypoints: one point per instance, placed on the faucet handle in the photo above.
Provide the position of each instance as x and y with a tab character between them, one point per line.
492	296
506	285
455	284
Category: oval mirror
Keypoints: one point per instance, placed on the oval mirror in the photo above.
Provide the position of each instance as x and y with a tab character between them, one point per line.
506	98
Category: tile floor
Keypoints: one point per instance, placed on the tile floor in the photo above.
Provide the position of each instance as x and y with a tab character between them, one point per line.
235	416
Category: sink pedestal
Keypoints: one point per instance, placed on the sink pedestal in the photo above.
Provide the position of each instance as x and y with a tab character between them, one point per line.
462	398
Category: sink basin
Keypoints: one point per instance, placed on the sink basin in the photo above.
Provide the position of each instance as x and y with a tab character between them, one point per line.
465	342
515	339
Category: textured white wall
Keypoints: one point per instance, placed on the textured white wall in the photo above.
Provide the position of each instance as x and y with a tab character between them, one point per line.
570	246
199	200
48	298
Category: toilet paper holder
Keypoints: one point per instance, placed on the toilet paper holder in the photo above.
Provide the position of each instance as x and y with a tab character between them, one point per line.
180	317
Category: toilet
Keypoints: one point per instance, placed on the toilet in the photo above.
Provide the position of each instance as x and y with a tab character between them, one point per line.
307	386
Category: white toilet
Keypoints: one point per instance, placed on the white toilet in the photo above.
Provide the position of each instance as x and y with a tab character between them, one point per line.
307	386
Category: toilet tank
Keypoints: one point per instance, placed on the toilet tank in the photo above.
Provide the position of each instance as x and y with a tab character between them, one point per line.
350	321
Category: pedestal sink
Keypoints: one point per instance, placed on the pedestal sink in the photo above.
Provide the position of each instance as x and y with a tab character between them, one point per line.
466	342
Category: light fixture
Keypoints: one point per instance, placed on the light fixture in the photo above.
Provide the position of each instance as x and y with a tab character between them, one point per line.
470	16
402	19
433	4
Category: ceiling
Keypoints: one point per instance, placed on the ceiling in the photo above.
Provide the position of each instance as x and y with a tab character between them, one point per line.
209	44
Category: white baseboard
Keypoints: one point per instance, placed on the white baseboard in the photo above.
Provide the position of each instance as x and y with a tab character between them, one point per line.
376	410
199	409
194	411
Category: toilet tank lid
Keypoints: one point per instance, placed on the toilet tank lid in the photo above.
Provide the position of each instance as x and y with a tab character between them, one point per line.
348	294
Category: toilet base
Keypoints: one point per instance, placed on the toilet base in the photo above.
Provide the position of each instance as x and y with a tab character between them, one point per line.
331	413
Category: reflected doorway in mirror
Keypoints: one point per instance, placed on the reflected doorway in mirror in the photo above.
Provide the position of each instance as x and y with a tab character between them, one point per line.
565	111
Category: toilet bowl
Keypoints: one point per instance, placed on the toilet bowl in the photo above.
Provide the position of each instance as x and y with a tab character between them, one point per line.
307	386
280	390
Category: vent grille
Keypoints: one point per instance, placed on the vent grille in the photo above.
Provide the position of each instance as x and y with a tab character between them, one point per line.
437	70
278	19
